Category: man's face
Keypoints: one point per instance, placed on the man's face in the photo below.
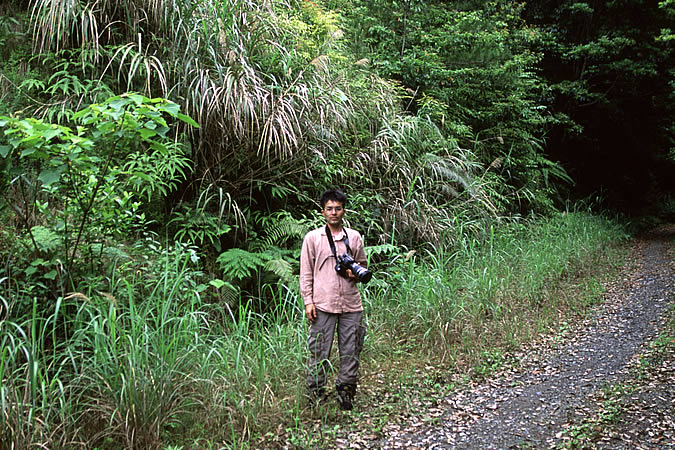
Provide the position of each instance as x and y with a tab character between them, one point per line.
333	212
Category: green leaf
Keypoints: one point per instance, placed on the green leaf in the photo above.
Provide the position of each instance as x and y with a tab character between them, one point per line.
51	275
171	108
104	127
187	119
51	175
142	176
136	98
32	84
50	133
117	103
162	131
146	133
31	140
217	283
4	150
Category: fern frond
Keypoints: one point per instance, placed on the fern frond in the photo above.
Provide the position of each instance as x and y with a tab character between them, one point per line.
227	292
239	264
230	295
281	268
280	229
384	249
550	169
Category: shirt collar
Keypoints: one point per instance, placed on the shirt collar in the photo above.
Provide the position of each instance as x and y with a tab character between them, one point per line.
339	236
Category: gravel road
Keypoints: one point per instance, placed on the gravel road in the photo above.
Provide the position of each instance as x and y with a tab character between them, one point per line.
537	404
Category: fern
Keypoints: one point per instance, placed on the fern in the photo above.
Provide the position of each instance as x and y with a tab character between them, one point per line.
281	262
239	264
550	169
227	292
278	229
46	240
281	268
266	252
384	249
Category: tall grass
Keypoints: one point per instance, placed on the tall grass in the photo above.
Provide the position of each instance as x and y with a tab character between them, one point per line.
151	364
490	288
33	397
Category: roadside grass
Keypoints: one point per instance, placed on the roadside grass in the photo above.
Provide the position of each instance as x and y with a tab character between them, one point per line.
496	293
147	365
152	365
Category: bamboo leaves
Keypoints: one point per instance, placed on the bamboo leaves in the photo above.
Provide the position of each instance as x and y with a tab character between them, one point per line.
223	62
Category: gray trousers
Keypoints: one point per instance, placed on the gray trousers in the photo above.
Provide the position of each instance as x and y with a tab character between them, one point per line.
351	334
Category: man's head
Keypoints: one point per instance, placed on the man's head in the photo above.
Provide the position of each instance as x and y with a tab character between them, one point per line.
333	194
333	207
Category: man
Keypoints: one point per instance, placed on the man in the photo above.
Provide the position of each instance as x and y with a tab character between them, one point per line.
332	299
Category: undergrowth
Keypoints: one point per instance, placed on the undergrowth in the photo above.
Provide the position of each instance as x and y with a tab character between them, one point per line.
151	363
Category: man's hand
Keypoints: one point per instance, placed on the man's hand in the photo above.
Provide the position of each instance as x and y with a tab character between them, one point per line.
351	275
310	312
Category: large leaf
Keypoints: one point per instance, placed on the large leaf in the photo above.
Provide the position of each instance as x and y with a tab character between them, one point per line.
51	175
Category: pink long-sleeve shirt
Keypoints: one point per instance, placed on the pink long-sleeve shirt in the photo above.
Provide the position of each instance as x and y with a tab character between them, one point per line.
319	282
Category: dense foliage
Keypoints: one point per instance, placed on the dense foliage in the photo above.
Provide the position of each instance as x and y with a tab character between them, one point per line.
160	161
610	66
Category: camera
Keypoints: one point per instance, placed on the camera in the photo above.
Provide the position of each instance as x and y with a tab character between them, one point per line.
347	262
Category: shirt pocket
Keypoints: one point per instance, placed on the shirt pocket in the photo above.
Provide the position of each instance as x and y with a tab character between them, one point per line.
324	259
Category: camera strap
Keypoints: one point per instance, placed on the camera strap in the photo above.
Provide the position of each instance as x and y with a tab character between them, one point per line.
329	235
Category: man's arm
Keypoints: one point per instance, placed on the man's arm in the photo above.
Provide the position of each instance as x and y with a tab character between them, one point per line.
307	260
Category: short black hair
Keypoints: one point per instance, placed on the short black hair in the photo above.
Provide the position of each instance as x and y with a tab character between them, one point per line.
333	194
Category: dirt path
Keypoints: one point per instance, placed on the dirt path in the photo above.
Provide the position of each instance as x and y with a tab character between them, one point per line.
549	396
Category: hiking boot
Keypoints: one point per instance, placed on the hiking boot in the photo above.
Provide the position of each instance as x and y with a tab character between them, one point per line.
345	395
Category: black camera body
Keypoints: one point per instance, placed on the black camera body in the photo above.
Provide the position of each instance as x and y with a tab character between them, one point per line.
347	262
